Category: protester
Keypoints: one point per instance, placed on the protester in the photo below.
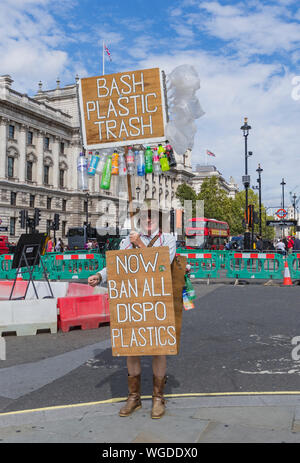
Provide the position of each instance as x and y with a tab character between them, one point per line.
150	229
259	243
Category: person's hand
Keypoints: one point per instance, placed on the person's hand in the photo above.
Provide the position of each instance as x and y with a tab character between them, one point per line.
135	239
94	280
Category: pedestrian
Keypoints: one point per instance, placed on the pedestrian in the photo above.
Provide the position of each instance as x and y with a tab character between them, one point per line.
280	247
150	234
59	247
290	244
296	246
50	245
259	243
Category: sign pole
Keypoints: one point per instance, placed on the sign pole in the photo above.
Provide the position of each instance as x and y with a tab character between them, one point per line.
103	57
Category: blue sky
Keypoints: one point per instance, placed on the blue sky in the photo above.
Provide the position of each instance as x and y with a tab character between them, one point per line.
246	53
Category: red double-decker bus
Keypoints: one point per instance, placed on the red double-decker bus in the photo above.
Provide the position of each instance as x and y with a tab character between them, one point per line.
202	233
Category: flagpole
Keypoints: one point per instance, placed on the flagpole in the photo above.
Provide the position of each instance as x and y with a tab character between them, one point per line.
103	57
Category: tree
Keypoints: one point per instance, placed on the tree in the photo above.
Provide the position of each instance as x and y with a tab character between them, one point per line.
185	193
217	205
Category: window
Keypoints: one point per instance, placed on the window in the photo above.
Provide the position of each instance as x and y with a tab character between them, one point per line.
64	204
11	131
49	203
29	170
64	227
62	148
61	178
48	225
31	200
12	226
46	175
10	166
47	143
29	137
13	198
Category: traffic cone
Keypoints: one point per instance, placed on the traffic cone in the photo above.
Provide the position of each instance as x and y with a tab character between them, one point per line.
287	281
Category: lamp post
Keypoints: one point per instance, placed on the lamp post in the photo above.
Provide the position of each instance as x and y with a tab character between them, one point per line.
294	206
246	181
282	201
87	209
259	170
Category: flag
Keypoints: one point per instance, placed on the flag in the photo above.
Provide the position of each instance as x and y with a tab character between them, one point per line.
108	52
210	153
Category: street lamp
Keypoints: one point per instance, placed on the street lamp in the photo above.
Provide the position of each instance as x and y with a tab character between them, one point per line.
87	208
246	180
294	204
282	184
259	170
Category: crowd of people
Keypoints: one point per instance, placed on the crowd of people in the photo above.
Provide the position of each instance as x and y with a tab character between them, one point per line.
60	246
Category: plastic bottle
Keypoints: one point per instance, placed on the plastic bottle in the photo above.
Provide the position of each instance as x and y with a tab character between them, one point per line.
115	163
101	163
171	156
122	165
163	159
187	303
130	162
82	175
106	174
148	160
136	157
156	163
94	161
189	288
141	164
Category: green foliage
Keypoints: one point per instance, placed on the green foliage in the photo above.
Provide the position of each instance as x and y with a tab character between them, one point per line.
217	205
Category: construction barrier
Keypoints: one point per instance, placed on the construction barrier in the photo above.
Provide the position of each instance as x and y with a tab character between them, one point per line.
249	265
87	312
204	264
294	264
58	266
74	266
28	317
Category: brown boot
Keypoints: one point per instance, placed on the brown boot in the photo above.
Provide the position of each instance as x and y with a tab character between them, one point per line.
158	401
134	398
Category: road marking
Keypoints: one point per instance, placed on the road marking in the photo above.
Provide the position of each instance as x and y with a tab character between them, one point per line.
178	396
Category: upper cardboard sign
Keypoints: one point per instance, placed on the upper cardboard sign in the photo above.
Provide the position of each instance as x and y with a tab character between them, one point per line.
122	109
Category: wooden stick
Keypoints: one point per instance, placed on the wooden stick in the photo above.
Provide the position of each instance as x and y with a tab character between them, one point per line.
131	214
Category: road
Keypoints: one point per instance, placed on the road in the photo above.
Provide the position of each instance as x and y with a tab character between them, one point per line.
238	338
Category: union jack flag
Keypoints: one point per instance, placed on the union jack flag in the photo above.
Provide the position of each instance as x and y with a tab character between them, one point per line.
108	52
210	153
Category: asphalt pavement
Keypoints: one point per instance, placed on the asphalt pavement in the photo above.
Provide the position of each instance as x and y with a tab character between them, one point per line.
236	378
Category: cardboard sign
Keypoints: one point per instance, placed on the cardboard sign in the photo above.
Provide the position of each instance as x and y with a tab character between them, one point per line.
142	318
119	109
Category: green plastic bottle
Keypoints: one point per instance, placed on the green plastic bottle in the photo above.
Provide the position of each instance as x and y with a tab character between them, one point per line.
106	174
163	159
148	160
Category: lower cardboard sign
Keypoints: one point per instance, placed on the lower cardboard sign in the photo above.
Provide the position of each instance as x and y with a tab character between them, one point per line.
142	318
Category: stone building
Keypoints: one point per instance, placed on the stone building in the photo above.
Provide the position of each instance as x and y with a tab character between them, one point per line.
203	172
39	146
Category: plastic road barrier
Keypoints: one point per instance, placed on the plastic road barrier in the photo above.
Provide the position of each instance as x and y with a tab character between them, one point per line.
88	312
294	264
254	265
203	264
74	266
28	317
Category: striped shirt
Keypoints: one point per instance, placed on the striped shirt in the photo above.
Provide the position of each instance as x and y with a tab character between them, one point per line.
165	239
